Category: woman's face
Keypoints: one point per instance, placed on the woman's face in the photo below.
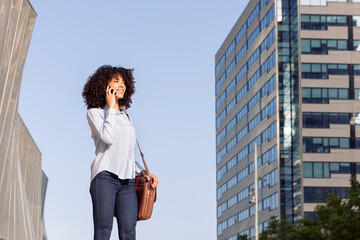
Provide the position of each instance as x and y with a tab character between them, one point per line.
118	84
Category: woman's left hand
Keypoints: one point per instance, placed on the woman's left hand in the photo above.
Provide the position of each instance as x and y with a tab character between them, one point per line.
155	179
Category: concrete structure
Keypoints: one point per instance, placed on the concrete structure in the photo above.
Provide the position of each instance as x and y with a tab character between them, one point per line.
288	80
22	182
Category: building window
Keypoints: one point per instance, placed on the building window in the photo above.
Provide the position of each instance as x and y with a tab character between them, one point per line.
253	58
269	41
322	46
321	194
318	2
253	15
356	19
263	2
219	65
220	118
269	17
219	83
221	209
221	227
253	79
241	53
356	45
324	169
269	156
254	122
323	95
230	68
230	49
244	194
322	71
321	22
356	69
323	120
220	173
268	64
241	33
270	202
253	36
270	179
357	118
254	100
324	144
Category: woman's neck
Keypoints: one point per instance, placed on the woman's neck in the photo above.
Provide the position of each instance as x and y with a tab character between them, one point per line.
116	107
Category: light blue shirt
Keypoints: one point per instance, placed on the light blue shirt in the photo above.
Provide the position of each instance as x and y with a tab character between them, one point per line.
115	141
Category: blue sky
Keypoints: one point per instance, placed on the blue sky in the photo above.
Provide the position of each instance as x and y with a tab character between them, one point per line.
172	46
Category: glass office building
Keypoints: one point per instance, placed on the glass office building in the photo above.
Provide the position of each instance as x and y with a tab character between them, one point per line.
287	78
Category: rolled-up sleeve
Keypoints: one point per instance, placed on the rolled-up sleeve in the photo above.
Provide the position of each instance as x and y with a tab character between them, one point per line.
102	126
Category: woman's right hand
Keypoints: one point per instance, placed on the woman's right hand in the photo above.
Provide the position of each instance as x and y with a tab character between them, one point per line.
110	98
150	177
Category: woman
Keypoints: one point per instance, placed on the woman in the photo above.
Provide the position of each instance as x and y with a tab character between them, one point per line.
107	93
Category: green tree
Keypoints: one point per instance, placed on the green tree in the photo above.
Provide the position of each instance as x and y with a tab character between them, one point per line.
243	237
338	219
308	229
277	230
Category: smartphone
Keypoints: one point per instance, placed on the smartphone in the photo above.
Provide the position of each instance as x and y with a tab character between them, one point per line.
111	90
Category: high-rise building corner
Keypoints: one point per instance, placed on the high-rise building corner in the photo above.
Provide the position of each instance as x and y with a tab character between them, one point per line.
287	78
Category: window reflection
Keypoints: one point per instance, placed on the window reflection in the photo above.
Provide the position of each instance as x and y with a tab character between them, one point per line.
321	194
323	120
321	22
322	46
324	144
323	95
322	71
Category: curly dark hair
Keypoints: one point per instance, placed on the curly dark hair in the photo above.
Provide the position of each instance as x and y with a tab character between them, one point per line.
94	92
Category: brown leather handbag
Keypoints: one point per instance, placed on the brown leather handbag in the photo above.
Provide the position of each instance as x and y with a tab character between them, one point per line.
146	194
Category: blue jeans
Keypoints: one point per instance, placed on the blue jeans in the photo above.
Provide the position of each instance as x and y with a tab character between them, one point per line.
108	192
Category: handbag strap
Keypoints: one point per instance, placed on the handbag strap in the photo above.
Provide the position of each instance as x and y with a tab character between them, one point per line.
141	153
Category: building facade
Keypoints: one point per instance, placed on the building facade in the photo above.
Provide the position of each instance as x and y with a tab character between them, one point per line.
288	80
22	182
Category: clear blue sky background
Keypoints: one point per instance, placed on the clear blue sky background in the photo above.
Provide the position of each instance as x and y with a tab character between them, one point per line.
172	46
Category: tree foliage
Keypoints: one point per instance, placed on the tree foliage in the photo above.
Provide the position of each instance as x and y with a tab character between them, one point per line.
337	219
243	237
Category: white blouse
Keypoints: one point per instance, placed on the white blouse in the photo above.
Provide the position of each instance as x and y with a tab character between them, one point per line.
115	141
